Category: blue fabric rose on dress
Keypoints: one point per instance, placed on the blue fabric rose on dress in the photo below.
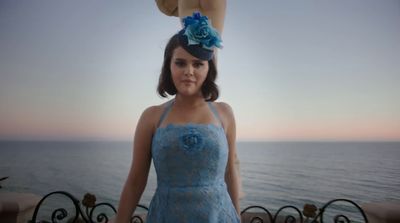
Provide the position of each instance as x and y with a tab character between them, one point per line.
199	31
191	140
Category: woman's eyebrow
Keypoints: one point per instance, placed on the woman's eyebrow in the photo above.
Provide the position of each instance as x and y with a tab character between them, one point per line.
180	59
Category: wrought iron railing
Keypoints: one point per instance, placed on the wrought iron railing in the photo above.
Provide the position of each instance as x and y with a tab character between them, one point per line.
85	212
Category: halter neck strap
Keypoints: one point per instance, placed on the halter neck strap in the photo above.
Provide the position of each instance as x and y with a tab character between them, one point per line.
215	112
168	107
165	112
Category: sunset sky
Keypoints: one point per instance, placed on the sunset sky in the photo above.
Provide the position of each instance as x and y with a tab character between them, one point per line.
291	70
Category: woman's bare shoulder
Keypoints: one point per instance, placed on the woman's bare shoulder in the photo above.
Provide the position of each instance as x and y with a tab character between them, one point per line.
224	109
153	113
152	110
226	114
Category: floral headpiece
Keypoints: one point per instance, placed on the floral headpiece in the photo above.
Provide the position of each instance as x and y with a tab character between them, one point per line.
198	37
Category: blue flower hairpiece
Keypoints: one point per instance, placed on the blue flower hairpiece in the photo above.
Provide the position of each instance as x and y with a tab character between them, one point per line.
200	32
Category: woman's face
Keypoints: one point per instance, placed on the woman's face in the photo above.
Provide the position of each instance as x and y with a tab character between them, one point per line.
188	72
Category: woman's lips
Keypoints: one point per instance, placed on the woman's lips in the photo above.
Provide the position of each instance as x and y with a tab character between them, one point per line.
187	81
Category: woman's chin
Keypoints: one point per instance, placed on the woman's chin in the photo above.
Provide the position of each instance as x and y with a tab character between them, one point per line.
188	92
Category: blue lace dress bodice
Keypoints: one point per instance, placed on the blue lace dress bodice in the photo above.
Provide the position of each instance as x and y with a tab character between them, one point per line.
190	161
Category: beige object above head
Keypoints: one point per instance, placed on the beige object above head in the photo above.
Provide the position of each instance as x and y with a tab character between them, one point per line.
168	7
213	9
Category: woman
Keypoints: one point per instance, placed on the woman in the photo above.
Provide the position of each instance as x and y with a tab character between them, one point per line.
213	9
191	138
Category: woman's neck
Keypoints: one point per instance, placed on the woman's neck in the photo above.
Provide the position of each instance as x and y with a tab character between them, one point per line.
189	101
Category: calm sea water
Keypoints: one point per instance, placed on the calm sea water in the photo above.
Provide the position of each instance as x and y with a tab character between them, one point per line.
274	174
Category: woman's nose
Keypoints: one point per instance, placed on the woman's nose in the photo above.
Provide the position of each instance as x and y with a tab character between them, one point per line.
189	70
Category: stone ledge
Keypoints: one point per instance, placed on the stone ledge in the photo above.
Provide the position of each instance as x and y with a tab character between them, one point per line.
383	212
17	207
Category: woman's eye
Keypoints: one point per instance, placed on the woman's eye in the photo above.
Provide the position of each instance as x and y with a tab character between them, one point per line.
197	65
179	63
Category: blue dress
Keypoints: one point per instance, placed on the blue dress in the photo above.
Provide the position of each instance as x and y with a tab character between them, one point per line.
190	161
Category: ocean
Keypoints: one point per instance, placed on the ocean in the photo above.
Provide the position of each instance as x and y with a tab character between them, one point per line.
274	174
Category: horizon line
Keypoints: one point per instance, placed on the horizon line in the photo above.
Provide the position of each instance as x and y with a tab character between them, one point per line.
237	141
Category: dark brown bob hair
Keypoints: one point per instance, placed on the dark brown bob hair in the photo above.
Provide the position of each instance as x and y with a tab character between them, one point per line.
165	84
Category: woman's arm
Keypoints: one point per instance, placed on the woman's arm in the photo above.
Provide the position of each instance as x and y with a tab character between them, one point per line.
137	178
231	175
